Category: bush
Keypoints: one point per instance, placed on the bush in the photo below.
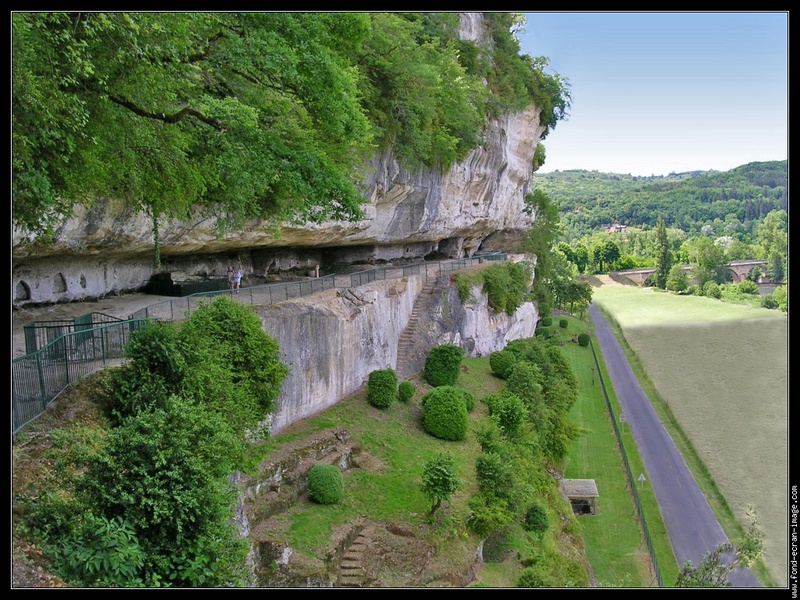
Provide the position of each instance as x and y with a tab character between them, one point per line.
536	520
530	578
711	290
547	321
509	412
494	475
445	413
748	287
469	400
406	391
500	362
563	323
583	339
325	484
443	365
382	388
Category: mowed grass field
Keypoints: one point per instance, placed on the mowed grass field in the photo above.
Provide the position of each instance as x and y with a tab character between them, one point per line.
720	377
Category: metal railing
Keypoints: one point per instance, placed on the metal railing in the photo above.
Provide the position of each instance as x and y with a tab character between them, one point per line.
40	333
38	378
64	351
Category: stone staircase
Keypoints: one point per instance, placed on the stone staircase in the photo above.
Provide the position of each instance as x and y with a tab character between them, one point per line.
351	568
405	344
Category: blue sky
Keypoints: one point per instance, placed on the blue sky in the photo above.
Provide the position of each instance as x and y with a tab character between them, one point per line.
661	92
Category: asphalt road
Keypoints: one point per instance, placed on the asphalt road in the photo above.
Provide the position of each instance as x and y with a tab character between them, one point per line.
692	527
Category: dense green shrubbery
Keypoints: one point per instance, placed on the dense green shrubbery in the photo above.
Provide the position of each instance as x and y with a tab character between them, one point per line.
583	339
469	400
151	499
506	285
382	388
563	323
443	364
325	484
536	520
445	414
711	290
508	411
494	475
406	391
748	287
547	321
500	362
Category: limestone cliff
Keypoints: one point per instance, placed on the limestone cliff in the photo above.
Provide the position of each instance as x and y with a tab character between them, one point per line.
108	248
333	340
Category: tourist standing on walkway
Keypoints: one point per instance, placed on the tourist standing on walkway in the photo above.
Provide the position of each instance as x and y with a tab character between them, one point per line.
237	279
230	277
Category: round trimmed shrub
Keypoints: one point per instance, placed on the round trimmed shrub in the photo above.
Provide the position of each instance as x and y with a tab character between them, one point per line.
500	362
583	339
325	484
547	321
536	519
405	391
382	388
563	323
445	413
443	364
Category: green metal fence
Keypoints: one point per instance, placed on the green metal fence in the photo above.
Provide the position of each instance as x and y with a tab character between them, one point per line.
631	480
40	333
61	352
39	377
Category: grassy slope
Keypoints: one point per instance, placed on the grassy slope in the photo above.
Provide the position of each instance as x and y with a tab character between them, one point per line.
718	376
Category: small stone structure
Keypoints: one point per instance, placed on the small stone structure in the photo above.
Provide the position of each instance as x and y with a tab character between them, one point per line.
582	495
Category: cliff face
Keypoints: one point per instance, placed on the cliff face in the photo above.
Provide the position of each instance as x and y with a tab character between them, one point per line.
108	248
333	340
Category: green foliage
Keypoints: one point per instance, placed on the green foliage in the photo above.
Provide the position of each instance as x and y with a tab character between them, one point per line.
563	323
325	484
105	553
536	519
506	285
583	339
439	479
382	388
781	296
443	364
501	361
445	413
406	391
715	567
547	321
469	399
509	412
229	335
488	515
156	368
530	578
748	287
164	469
732	202
495	476
711	290
173	111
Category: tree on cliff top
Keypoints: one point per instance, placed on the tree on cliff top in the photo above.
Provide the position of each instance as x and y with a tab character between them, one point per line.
250	115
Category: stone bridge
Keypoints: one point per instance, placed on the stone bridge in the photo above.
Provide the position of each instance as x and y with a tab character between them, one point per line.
735	271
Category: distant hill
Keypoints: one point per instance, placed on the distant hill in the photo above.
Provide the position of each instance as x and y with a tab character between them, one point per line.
590	199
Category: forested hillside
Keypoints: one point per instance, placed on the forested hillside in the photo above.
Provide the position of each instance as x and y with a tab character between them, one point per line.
731	202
